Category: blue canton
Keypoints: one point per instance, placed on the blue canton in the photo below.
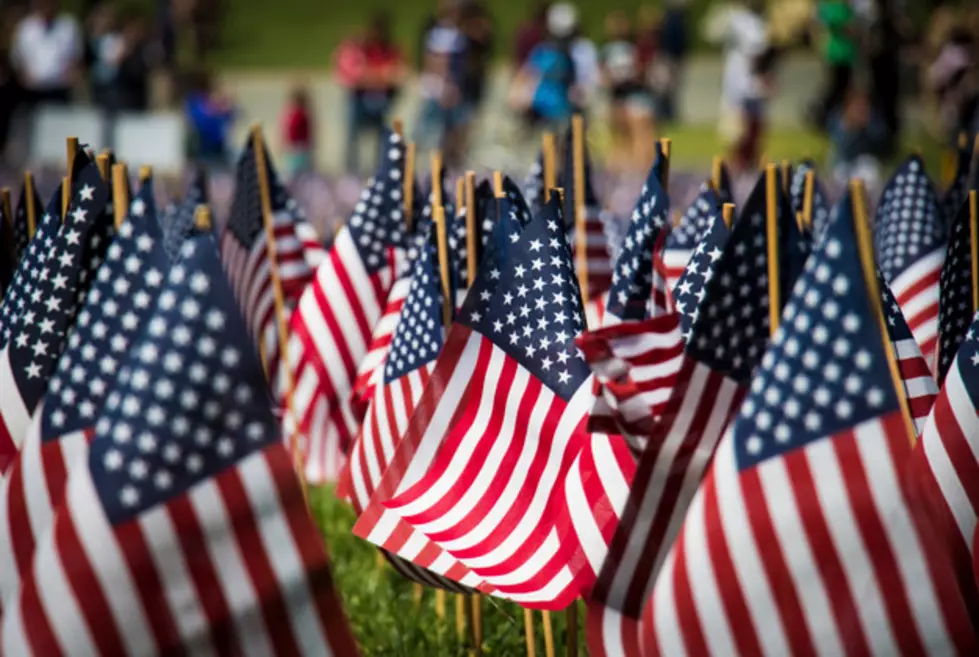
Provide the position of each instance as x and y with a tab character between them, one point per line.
418	339
118	304
178	219
968	361
61	286
21	229
191	399
955	296
909	221
535	311
697	219
692	286
533	186
592	206
632	280
826	370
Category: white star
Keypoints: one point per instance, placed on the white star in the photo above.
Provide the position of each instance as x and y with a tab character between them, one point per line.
86	193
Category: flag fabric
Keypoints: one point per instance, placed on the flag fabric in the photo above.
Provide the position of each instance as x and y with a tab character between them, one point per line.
910	240
682	241
598	254
8	252
692	284
28	360
331	327
957	193
727	339
514	334
115	310
533	185
820	202
944	467
19	221
177	219
955	291
29	268
801	539
202	543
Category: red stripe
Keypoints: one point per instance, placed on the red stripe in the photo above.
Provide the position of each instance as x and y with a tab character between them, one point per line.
81	577
264	581
20	530
875	538
194	544
37	628
688	620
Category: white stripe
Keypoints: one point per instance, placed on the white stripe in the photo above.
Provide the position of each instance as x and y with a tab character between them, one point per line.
220	540
13	412
283	555
886	489
666	624
160	535
582	519
834	499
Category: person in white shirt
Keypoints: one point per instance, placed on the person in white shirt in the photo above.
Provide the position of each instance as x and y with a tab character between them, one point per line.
46	53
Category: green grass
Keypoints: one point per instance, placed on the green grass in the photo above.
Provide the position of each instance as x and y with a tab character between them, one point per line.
382	611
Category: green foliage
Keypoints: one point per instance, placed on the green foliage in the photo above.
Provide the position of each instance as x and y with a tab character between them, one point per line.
382	611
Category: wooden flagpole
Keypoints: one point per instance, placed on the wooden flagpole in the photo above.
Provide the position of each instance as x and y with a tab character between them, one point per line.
31	210
409	186
974	247
202	218
808	191
528	631
786	166
145	173
436	179
548	163
265	197
865	249
715	173
727	214
120	193
102	162
472	230
666	145
581	236
71	146
771	225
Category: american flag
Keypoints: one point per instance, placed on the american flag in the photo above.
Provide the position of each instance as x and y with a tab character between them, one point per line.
28	360
910	240
726	342
820	202
801	539
966	164
8	252
533	186
332	325
515	332
115	311
682	241
178	218
187	531
598	255
20	224
29	267
416	345
944	466
955	291
692	285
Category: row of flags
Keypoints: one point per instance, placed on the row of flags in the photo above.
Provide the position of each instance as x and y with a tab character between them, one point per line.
752	438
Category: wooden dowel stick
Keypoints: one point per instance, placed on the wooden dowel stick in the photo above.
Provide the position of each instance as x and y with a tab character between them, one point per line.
31	210
436	179
549	163
145	173
974	244
498	183
416	594
102	162
786	172
120	193
666	145
865	249
440	603
548	634
461	617
438	215
528	629
265	196
65	197
477	623
71	148
807	196
409	186
715	173
472	230
727	214
398	126
581	235
772	229
202	218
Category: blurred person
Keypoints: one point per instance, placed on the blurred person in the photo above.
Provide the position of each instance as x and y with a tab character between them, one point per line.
742	32
46	53
839	54
444	114
371	68
756	95
954	79
210	115
884	58
630	99
11	93
547	87
671	56
297	133
858	138
478	29
103	53
530	34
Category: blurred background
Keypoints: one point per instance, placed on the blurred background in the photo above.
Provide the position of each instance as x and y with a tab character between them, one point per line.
850	83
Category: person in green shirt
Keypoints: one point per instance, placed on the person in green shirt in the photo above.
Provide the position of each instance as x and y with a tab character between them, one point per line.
839	53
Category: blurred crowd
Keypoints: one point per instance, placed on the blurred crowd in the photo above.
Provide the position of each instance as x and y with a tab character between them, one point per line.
874	54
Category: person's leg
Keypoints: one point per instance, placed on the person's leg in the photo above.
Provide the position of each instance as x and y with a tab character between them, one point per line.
837	87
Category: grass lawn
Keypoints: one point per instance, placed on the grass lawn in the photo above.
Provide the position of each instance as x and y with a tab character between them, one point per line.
382	610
